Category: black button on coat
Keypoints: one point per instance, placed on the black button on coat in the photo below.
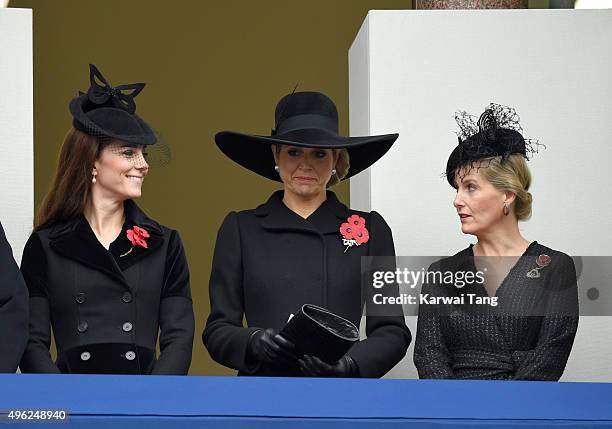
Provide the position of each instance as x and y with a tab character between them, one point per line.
86	295
269	261
13	309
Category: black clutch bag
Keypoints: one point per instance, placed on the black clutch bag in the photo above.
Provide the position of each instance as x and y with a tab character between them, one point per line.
318	332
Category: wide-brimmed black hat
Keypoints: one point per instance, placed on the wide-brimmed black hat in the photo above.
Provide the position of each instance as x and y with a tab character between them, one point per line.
306	119
496	133
107	111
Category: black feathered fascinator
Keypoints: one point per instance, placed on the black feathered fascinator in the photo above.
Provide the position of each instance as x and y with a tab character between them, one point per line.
497	133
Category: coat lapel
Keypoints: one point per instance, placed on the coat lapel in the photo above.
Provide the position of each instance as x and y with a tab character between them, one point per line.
325	220
135	216
276	215
329	217
75	240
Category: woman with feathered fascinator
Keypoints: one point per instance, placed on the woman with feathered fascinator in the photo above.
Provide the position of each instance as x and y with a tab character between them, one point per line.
518	319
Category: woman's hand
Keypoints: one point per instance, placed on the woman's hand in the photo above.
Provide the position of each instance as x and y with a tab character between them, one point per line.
269	347
312	366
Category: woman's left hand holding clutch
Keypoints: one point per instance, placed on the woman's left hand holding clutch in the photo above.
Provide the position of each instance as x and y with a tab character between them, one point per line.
312	366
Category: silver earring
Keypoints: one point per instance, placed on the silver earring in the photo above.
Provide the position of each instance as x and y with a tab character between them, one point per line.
93	179
276	168
333	171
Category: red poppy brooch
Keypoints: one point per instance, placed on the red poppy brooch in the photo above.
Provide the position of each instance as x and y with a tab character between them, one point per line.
137	236
354	232
541	262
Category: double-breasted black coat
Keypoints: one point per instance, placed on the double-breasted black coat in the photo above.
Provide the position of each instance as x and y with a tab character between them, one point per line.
527	336
13	309
107	308
269	261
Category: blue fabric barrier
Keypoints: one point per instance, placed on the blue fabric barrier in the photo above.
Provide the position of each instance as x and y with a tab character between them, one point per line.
100	401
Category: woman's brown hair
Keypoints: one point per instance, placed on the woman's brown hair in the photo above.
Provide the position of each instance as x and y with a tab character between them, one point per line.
71	186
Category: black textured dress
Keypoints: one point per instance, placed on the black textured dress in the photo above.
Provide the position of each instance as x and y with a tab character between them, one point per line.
527	336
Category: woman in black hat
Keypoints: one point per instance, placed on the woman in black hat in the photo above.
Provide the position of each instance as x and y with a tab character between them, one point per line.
517	320
102	274
302	246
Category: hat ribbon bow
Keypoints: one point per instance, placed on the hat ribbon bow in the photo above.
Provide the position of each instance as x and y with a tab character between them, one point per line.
100	93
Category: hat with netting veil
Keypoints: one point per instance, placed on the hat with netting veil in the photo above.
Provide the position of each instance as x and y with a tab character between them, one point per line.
496	133
110	112
305	119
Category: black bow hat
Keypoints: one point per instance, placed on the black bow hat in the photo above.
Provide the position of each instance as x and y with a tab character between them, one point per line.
305	119
106	111
497	133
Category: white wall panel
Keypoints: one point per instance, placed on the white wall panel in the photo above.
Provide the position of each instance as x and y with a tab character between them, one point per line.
16	127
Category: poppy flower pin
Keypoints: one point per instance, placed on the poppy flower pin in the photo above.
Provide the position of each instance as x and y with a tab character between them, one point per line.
542	261
354	232
137	236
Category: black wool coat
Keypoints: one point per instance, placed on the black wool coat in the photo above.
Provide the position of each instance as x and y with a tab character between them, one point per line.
527	336
108	308
269	261
13	309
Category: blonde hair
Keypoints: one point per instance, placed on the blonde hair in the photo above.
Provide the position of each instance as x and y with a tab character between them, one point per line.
343	164
512	175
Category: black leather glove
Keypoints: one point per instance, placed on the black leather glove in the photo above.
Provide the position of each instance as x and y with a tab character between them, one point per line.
269	347
312	366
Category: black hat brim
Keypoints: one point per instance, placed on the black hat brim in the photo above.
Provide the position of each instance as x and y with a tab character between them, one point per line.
253	151
82	121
